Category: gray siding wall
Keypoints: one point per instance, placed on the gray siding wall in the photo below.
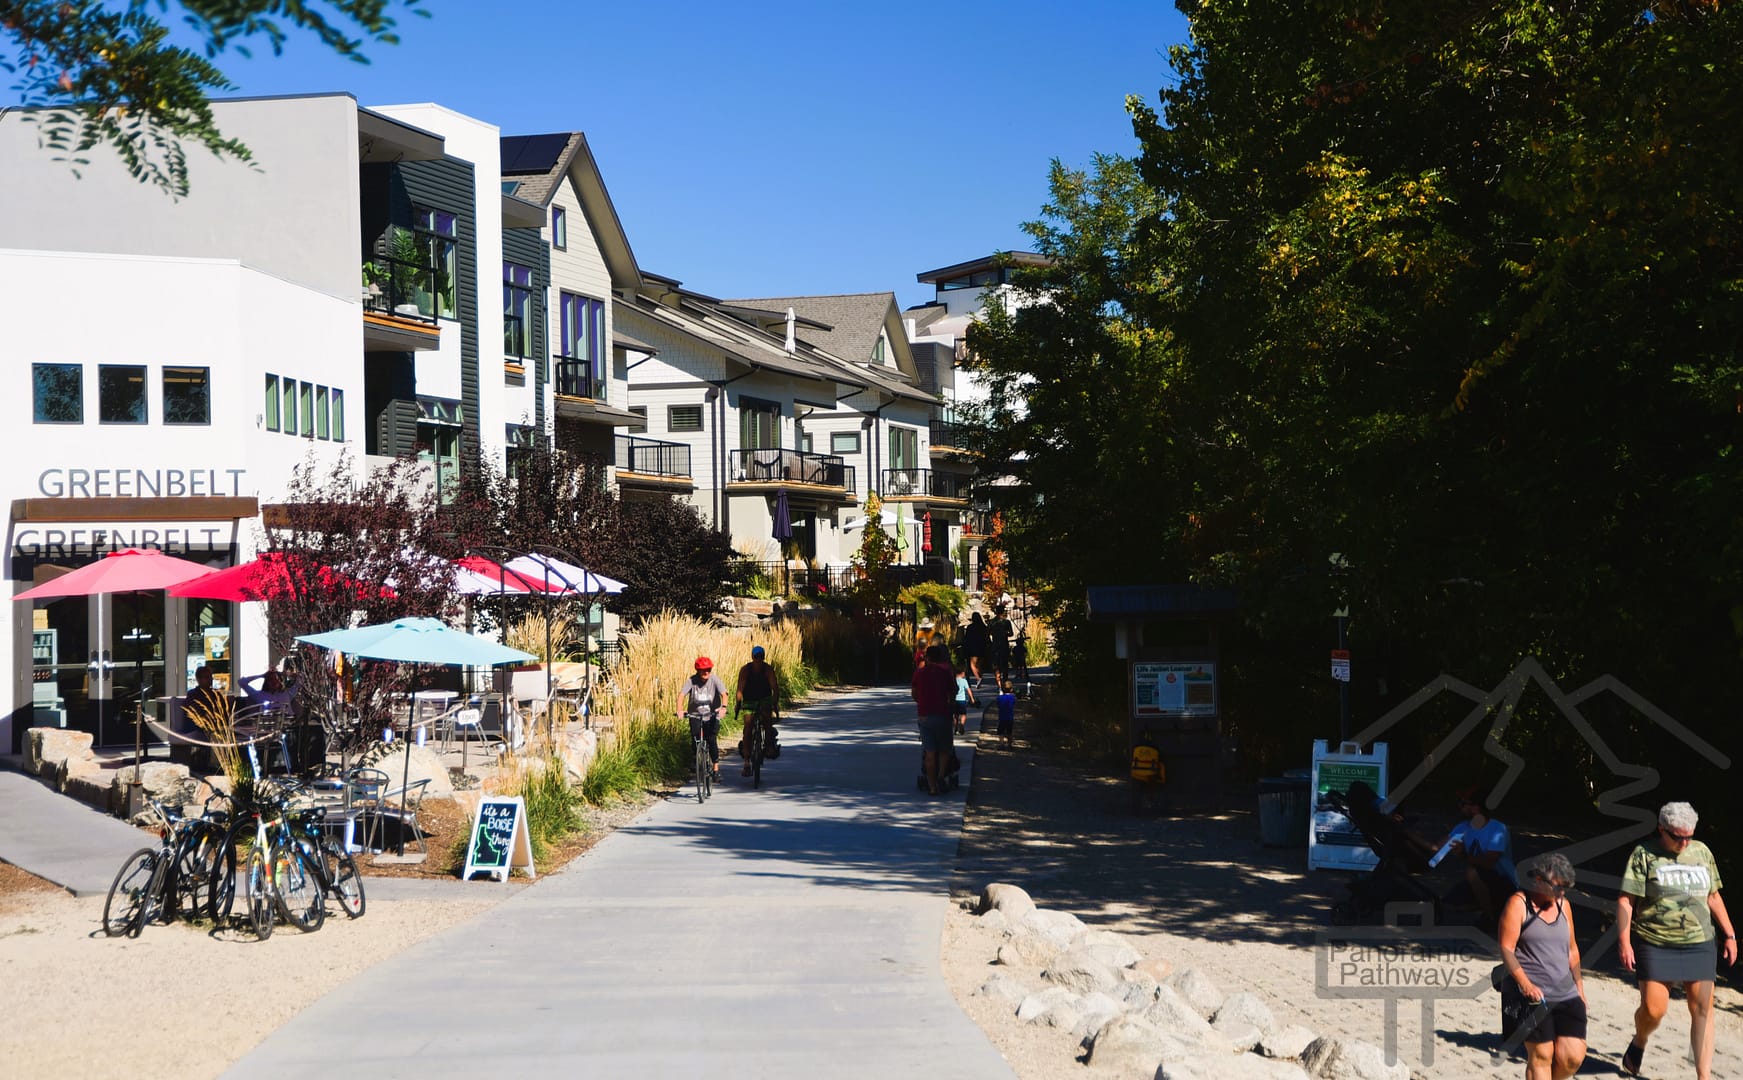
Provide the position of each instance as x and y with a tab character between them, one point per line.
447	185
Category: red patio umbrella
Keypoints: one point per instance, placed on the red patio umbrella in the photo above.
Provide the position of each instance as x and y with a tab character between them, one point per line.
926	534
509	580
131	570
271	575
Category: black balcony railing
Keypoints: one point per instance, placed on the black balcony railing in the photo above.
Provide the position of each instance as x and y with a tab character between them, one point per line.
920	483
978	522
950	435
399	288
576	378
652	457
788	466
781	579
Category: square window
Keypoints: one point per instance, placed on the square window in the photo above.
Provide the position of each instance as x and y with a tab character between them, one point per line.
187	395
338	397
321	428
58	392
640	426
272	403
844	442
121	394
308	395
289	413
684	418
559	228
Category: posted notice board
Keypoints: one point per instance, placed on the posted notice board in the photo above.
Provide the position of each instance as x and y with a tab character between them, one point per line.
1334	843
1173	689
499	841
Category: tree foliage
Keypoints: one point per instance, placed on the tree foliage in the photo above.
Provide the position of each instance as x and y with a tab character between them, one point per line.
105	74
1451	291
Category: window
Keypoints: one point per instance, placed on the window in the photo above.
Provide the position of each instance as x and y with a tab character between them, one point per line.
322	429
759	424
436	236
683	418
187	395
580	352
904	448
559	229
521	441
271	413
58	391
288	415
844	442
338	396
640	426
517	310
121	394
805	442
439	424
308	391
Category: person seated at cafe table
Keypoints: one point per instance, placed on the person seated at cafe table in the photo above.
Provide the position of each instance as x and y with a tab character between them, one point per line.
273	693
203	699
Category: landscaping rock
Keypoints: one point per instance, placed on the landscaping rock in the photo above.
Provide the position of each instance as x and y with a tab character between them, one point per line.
1154	967
1240	1034
1224	1067
1197	989
1093	1011
994	920
1138	993
1108	947
1287	1041
165	781
1002	988
69	768
1055	1006
1132	1046
1080	971
1348	1059
54	745
1010	899
94	791
1171	1013
1243	1010
1058	927
1011	956
425	764
577	749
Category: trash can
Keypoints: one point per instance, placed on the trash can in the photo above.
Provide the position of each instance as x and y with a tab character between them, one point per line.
1283	811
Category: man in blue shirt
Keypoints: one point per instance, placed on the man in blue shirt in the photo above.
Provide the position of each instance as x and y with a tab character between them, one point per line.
1486	847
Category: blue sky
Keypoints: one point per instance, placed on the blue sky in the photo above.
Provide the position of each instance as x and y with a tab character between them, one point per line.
786	148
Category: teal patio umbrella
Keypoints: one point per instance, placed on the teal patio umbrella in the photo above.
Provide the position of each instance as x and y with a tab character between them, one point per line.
416	641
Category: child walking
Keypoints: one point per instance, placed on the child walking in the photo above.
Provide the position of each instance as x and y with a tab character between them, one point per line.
964	698
1007	713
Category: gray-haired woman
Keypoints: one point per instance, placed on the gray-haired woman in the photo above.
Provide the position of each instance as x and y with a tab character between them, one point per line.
1665	919
1536	934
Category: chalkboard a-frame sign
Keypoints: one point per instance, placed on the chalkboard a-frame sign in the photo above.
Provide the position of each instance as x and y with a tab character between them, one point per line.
499	840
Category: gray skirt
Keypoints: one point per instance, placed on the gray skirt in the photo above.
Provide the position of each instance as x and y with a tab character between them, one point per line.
1676	963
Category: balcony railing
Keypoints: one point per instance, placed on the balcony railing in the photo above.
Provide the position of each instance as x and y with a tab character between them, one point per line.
576	378
399	288
651	457
789	466
950	435
977	523
803	581
919	483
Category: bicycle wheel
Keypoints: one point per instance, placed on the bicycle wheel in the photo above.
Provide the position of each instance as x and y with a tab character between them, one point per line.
221	883
297	884
127	896
344	880
704	772
754	742
196	858
257	878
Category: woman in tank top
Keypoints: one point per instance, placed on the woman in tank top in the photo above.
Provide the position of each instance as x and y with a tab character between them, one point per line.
1537	945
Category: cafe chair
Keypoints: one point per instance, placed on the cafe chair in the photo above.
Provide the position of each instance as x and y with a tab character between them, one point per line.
401	807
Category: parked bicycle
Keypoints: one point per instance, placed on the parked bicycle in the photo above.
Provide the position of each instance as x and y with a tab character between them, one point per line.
165	882
278	877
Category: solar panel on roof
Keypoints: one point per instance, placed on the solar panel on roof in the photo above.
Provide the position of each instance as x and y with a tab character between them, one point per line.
522	154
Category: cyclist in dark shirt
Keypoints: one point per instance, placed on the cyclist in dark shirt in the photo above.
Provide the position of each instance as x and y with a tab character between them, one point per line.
758	689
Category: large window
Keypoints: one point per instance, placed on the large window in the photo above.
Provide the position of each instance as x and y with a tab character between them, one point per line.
759	424
844	442
683	418
439	424
437	236
187	395
581	351
121	394
58	393
904	448
517	310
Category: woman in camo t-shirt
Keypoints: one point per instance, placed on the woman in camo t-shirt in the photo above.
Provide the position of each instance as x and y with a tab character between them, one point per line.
1665	917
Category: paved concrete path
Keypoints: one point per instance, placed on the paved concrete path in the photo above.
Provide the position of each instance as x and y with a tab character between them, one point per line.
60	839
788	932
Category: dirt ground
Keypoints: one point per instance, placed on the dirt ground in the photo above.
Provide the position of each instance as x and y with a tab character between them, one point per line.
1199	890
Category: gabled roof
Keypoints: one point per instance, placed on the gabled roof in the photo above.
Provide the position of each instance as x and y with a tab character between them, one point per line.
537	164
1016	260
847	327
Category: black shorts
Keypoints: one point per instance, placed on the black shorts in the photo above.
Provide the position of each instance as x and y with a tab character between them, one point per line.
1564	1020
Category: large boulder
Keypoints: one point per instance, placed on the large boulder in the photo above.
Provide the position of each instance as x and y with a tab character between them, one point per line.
51	746
1110	948
1055	1006
577	749
1173	1014
1197	989
94	791
1010	899
1243	1019
1002	987
165	781
1095	1009
1224	1067
994	920
1079	970
1057	927
1348	1059
1132	1046
1285	1041
69	769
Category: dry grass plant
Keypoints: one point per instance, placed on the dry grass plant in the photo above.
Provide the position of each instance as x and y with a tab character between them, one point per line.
528	635
217	718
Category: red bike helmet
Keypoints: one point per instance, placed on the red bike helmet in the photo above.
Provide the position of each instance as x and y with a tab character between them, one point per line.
704	664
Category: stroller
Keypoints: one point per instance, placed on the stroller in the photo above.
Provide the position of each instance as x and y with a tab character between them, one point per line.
1398	875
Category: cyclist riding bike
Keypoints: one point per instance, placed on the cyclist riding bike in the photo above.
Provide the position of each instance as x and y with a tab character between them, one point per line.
704	703
759	689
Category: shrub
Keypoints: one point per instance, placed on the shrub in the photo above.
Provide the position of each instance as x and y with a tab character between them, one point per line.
931	600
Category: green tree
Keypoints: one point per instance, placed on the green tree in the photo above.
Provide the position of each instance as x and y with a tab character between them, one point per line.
98	74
